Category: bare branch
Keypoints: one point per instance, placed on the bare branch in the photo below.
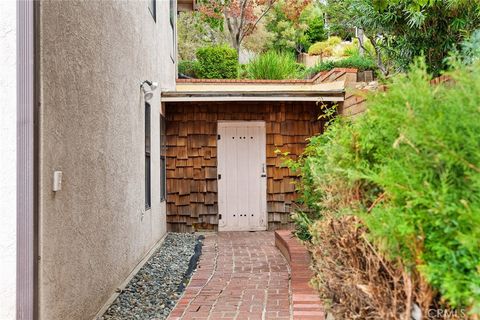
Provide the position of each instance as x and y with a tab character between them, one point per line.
242	20
258	20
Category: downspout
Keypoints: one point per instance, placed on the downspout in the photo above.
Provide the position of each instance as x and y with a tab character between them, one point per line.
27	160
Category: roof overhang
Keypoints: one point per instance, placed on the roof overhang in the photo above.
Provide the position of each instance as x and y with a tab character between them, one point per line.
255	91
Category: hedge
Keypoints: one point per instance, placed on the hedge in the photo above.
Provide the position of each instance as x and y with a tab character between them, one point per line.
188	68
409	169
217	62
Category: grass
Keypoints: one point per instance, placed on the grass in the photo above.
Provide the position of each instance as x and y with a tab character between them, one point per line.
274	65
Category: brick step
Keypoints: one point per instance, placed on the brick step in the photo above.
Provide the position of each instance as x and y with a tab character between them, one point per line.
306	302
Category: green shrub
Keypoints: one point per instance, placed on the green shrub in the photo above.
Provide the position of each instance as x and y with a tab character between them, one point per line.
188	68
301	70
420	147
361	63
309	198
470	48
273	65
320	49
217	62
243	71
409	168
322	66
302	222
303	167
324	48
315	31
358	62
351	49
333	41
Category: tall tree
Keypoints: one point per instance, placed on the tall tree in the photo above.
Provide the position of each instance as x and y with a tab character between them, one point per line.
294	27
285	34
240	16
193	33
429	28
400	30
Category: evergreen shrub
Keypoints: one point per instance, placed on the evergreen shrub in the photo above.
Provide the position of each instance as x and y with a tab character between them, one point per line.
409	169
217	62
188	68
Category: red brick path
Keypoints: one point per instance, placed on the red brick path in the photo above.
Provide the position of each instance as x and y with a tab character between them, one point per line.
241	275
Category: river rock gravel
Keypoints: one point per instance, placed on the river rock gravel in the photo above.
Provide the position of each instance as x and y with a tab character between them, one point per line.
154	290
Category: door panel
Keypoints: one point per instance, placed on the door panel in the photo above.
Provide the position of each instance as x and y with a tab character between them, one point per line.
241	164
254	173
229	176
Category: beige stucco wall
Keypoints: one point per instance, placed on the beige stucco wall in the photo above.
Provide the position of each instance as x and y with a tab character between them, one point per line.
93	56
308	60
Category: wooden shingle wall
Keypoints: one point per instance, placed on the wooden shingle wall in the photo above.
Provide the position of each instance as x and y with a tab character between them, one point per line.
192	157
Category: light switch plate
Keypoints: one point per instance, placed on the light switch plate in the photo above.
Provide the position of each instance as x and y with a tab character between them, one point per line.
57	181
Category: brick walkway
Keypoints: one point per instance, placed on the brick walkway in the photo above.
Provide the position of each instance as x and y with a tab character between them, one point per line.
241	275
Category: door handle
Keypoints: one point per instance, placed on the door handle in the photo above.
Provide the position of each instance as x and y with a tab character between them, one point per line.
264	174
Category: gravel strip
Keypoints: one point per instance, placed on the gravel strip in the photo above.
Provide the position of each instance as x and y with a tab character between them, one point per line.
154	290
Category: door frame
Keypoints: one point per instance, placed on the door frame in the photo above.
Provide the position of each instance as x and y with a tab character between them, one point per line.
221	168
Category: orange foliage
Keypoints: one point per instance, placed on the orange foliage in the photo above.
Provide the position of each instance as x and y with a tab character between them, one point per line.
242	16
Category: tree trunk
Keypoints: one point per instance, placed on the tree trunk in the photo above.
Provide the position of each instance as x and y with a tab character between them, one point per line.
234	35
361	42
378	54
236	46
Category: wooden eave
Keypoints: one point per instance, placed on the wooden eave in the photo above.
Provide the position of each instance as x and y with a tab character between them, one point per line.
256	91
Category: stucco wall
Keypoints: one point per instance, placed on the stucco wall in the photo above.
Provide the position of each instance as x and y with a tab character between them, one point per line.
7	158
93	232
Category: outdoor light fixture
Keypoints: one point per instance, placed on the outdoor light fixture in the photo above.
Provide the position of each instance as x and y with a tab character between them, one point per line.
148	93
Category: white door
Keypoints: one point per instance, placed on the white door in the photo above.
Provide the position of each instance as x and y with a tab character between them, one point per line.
242	178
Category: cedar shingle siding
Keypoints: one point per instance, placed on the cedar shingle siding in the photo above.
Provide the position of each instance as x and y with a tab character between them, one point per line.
192	157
